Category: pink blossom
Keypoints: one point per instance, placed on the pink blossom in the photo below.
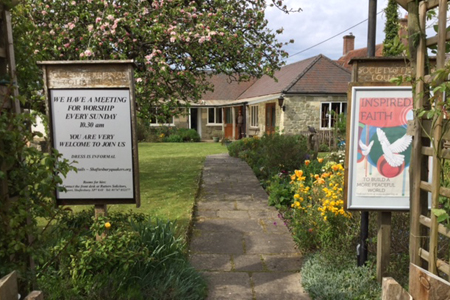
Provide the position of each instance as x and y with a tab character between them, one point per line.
36	51
81	54
90	28
139	79
88	53
98	20
201	40
52	32
71	25
67	45
44	13
173	39
110	17
73	3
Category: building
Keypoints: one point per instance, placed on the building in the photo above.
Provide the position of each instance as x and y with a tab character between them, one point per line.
304	94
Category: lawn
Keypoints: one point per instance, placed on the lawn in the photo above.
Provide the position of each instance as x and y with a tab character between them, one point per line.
169	176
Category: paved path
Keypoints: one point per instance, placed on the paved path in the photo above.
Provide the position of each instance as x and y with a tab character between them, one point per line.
238	241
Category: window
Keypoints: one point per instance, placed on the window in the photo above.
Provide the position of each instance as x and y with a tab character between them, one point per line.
329	112
214	115
254	116
158	118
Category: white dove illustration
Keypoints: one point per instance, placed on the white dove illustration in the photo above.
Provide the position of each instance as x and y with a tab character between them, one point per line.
365	149
391	151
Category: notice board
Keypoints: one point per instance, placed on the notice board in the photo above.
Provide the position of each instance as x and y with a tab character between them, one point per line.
91	108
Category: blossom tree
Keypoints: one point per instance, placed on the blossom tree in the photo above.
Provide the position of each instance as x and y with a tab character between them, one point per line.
176	44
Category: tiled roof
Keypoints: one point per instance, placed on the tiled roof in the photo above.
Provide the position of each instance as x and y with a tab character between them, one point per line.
322	76
317	75
224	89
358	53
285	76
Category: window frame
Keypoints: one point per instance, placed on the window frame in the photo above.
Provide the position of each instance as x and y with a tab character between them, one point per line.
254	110
329	120
215	116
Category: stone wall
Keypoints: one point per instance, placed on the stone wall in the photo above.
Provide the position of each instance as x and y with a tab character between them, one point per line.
302	111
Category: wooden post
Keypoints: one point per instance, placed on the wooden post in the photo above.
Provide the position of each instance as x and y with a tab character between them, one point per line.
8	286
418	164
437	137
383	243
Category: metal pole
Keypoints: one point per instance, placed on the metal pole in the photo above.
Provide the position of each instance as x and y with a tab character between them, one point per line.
372	28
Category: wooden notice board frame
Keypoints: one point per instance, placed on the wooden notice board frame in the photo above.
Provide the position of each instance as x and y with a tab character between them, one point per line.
92	117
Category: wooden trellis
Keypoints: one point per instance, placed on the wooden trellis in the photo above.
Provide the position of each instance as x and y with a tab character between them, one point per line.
425	229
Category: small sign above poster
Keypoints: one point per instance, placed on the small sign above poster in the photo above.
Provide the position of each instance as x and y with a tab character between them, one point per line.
379	148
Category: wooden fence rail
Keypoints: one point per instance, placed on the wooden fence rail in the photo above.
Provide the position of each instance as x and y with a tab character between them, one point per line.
9	289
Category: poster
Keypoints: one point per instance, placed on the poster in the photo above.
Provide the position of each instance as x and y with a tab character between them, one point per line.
93	128
380	148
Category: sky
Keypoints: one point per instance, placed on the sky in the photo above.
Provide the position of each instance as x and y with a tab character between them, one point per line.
320	20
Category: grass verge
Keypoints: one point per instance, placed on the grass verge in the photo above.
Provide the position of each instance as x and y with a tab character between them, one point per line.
169	176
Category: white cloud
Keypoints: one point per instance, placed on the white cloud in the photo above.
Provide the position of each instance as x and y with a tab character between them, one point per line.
320	20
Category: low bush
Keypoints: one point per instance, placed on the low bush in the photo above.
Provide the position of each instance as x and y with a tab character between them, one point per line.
173	138
136	259
271	154
326	279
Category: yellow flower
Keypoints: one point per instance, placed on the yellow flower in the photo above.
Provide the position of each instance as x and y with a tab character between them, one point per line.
298	173
316	176
320	160
296	196
161	135
107	225
307	162
293	177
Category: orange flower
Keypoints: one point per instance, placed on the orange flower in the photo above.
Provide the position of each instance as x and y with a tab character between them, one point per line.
320	160
320	181
299	173
307	162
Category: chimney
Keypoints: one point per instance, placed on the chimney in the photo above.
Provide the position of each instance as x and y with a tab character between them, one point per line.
349	43
403	30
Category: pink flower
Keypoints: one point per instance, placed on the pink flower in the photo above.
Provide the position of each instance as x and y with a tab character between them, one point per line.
67	45
36	51
44	13
88	53
173	39
110	17
73	3
139	79
98	20
90	28
202	39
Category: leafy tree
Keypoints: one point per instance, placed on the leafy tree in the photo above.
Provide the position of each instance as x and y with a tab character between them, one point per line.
176	44
392	45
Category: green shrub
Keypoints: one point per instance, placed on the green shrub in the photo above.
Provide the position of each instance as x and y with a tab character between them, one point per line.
188	135
327	280
137	259
271	154
173	138
280	191
324	148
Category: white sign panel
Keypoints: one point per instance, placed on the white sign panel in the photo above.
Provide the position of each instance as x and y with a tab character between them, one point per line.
93	127
380	148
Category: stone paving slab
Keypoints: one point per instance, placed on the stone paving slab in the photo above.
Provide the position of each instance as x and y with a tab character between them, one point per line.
239	243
